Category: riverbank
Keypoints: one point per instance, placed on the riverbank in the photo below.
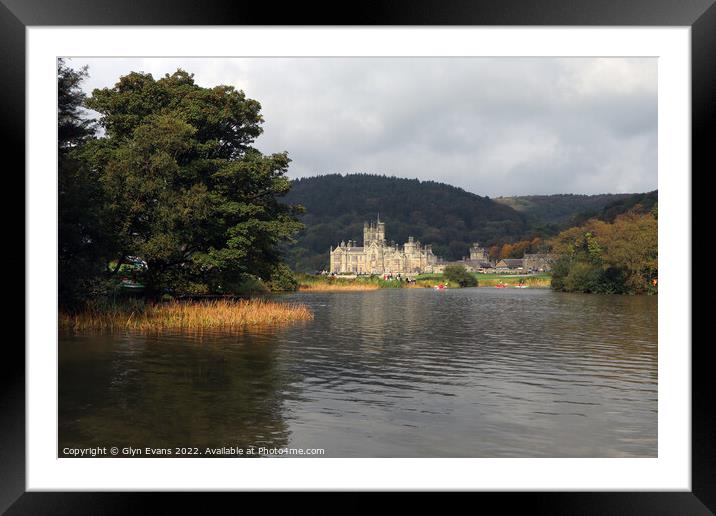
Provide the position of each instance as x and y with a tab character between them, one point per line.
225	315
319	283
311	283
531	281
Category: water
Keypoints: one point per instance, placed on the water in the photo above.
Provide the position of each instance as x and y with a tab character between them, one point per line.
389	373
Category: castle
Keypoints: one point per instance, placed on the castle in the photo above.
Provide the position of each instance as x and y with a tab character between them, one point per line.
378	257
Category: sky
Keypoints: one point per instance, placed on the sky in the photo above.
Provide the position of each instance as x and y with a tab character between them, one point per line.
493	126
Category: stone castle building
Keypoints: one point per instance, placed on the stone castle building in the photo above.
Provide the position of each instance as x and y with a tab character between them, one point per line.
539	262
378	257
478	261
479	254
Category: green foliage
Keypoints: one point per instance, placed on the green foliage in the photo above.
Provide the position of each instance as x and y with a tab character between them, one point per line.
175	180
459	275
282	279
560	270
73	128
624	203
582	276
187	191
81	241
557	211
246	284
616	258
447	217
390	283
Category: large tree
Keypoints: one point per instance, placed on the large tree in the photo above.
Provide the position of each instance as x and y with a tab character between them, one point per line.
80	236
184	189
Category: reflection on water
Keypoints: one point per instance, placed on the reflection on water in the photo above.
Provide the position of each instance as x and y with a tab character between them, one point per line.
387	373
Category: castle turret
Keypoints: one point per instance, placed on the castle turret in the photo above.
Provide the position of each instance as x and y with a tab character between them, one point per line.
478	253
380	230
373	232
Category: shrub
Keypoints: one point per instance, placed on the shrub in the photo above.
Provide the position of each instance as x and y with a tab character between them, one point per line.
459	275
282	279
584	277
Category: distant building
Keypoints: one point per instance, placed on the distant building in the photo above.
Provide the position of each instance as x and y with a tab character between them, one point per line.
485	267
510	265
376	256
539	262
479	254
470	265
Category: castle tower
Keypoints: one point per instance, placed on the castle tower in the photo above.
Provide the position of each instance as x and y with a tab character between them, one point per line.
367	233
478	253
373	232
380	230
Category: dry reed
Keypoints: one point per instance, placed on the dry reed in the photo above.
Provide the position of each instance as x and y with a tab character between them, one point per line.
533	282
186	316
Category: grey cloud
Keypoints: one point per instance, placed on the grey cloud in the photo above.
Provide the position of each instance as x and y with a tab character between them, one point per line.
494	126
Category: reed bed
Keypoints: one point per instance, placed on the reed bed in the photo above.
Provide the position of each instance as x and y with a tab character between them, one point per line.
222	315
530	281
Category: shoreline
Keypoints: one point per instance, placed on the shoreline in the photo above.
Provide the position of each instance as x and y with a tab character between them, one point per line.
309	283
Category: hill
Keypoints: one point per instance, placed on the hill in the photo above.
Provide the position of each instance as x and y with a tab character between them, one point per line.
445	216
639	203
560	209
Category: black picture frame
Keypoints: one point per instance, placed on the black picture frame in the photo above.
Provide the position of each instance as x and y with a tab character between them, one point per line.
16	15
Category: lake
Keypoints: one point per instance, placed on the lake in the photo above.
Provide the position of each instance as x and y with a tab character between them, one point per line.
478	372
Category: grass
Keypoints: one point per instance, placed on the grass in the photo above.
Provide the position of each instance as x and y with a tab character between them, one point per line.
336	286
310	283
328	284
541	280
183	316
307	282
532	281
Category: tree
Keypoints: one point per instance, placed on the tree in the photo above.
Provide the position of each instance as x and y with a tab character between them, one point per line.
283	279
459	275
80	238
448	218
620	257
184	189
73	127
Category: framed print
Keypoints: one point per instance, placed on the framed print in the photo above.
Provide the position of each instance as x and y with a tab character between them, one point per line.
416	250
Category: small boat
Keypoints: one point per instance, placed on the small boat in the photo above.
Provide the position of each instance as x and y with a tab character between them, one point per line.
130	284
440	287
500	285
520	286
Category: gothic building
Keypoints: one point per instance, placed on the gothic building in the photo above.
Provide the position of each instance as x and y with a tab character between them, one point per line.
376	256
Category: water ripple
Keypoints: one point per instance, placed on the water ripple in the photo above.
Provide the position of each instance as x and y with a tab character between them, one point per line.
473	372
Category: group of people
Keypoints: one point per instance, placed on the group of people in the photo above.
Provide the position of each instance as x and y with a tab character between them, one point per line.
388	276
398	277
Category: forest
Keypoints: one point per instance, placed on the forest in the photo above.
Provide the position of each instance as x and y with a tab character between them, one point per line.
447	217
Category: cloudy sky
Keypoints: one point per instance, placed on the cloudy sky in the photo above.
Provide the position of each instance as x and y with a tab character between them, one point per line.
493	126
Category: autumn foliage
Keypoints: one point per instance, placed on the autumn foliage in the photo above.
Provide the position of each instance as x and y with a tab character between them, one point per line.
619	257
